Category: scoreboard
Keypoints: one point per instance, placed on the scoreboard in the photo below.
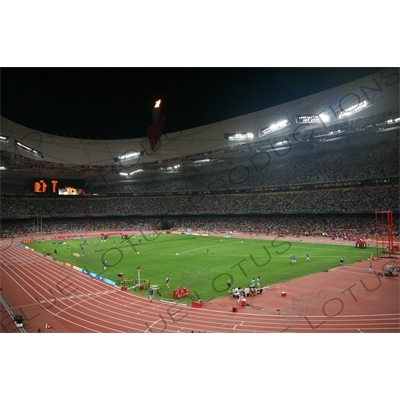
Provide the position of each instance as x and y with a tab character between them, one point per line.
312	118
58	187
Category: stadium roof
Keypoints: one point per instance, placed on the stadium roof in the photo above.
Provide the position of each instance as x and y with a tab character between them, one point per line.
225	121
116	103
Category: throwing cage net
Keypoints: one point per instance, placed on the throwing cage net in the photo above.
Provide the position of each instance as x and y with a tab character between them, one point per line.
384	234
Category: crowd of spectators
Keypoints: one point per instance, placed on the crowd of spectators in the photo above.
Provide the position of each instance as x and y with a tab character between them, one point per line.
349	200
72	225
284	225
263	170
142	211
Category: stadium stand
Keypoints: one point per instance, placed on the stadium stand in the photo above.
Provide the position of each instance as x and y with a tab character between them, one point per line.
317	181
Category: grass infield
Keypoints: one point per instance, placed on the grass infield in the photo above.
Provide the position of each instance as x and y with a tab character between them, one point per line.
185	260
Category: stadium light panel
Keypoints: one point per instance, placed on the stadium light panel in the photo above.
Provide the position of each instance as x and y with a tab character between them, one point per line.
135	172
28	149
129	156
354	109
239	136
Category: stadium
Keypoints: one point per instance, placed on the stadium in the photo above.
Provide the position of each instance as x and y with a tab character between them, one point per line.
88	226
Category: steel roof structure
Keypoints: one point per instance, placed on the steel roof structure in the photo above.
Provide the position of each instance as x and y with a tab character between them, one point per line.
349	109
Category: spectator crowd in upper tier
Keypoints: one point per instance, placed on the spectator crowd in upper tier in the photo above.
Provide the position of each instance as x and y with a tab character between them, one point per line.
261	170
375	169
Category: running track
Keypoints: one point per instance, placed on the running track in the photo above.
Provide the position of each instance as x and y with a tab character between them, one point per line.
44	291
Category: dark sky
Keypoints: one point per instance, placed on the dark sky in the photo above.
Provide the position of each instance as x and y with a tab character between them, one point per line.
116	103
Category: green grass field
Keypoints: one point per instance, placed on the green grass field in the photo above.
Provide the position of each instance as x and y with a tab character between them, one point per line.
183	258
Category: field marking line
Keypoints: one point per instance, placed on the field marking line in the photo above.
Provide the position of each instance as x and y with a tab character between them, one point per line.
76	317
30	304
353	272
48	310
84	297
147	330
200	248
316	248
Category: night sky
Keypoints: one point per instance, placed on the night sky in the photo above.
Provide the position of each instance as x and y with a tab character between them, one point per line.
116	103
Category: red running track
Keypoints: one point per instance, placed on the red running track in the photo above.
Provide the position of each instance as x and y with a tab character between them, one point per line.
44	291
